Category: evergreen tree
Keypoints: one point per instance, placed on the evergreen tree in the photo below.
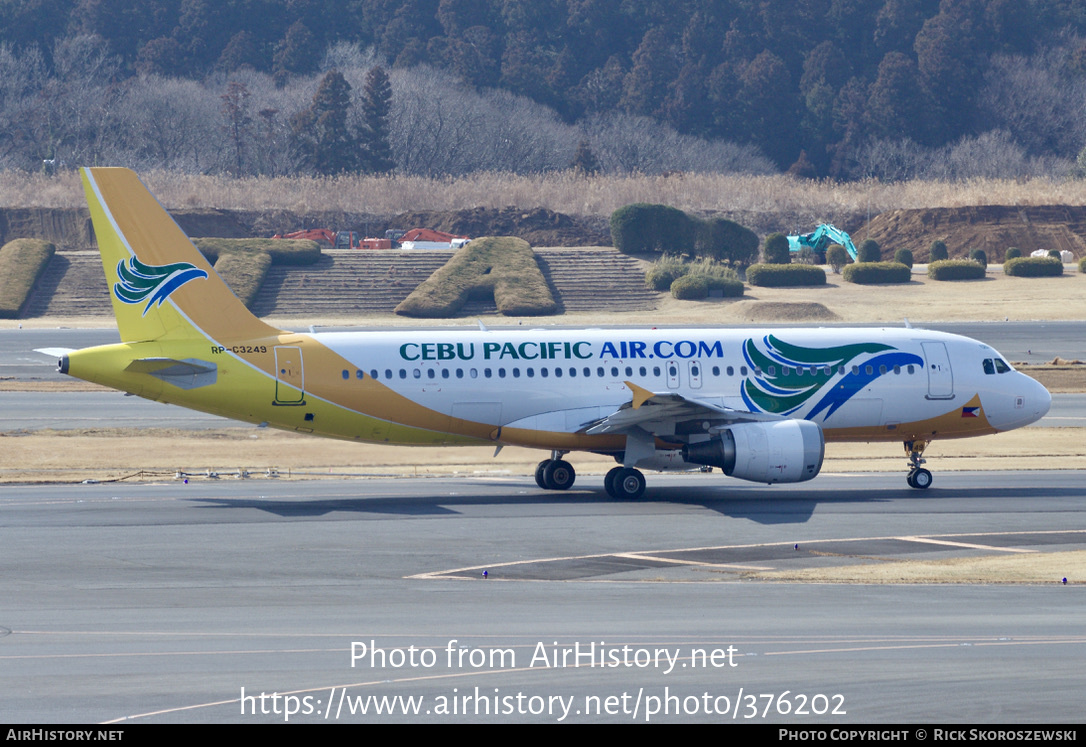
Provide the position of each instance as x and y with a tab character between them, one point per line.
376	106
584	160
325	143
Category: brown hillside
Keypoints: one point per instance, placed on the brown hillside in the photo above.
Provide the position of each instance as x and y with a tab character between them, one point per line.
992	228
539	227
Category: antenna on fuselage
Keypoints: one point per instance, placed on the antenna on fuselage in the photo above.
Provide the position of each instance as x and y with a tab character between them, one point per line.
907	325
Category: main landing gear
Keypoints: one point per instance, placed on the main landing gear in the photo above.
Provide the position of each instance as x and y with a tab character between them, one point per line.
919	477
555	473
624	483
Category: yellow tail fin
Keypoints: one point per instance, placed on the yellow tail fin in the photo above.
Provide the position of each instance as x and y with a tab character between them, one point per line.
160	284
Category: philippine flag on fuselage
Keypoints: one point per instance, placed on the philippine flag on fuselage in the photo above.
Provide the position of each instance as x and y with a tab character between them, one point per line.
970	412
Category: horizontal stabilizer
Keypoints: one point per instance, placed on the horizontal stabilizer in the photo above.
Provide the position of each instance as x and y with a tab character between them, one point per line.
190	373
54	352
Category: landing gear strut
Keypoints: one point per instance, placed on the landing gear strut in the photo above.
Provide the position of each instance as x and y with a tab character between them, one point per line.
919	477
555	473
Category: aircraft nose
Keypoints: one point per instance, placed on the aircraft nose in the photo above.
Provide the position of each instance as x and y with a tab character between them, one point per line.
1044	400
1036	402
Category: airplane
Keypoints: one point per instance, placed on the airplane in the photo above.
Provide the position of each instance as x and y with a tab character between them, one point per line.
759	405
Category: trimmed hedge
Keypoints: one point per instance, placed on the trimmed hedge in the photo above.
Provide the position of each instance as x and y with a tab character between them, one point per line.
22	261
904	256
725	241
503	265
775	251
281	251
955	269
1033	267
642	228
979	256
690	288
244	272
718	277
937	251
785	276
1082	265
869	252
877	273
1012	253
727	287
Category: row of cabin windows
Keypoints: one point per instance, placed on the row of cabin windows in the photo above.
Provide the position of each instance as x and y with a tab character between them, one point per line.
615	371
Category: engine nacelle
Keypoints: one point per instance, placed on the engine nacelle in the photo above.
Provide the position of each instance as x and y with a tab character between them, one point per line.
781	451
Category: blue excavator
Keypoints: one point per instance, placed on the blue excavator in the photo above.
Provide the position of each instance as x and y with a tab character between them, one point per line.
820	239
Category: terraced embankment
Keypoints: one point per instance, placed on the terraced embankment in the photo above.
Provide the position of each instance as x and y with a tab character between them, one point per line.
349	282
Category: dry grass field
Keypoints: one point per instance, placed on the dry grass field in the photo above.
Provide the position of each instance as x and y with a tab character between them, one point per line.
565	192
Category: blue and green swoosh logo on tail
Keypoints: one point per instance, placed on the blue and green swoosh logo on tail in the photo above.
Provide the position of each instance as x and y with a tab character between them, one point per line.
789	378
151	283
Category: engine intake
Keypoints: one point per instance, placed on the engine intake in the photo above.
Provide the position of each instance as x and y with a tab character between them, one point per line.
782	451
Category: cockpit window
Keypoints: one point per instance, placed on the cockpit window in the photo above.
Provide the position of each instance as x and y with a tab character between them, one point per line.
1001	366
989	366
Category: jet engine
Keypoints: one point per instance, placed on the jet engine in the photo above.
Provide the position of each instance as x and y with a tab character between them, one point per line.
781	451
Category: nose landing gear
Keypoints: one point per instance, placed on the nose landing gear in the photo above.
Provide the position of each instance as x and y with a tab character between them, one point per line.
918	477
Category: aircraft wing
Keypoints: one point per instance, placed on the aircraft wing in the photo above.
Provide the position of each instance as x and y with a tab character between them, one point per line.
648	407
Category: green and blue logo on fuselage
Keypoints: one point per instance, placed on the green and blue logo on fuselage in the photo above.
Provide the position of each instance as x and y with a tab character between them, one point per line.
787	378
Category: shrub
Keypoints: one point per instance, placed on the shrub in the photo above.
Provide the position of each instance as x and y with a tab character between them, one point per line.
869	251
877	273
979	256
775	250
1012	253
665	271
785	276
22	262
1055	253
904	256
1033	267
726	241
837	257
1082	265
690	288
641	228
937	251
955	269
